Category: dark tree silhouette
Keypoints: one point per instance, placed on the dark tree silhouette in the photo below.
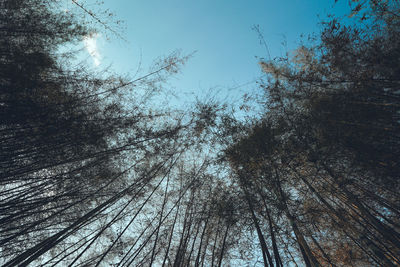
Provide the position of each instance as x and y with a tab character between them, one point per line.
325	155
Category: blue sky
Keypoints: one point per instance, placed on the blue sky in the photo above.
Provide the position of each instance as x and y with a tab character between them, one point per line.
221	33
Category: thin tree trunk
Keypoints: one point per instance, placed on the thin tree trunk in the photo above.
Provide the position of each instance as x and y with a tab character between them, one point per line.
264	248
221	256
309	258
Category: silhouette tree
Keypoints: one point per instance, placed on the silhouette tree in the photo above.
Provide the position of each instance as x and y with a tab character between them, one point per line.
329	135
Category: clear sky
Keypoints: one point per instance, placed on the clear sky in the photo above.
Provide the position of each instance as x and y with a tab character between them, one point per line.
219	30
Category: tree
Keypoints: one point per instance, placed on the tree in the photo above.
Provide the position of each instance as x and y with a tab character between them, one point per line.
72	149
330	133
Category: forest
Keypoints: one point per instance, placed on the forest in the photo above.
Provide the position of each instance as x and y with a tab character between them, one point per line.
94	172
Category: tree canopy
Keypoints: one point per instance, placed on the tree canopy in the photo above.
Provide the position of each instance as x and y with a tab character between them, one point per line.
95	172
